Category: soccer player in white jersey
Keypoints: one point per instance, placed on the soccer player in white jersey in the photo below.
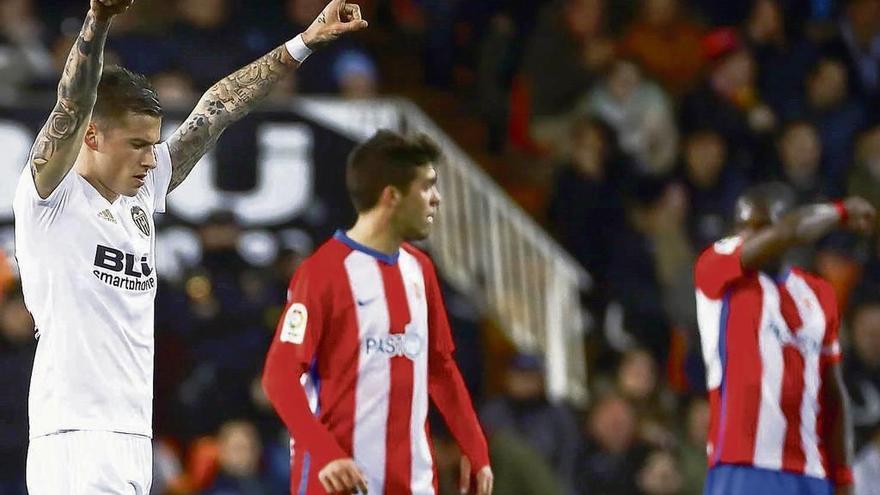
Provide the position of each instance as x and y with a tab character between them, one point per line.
364	342
779	422
85	244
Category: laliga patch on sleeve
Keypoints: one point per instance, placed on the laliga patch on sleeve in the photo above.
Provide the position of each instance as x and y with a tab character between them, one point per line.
294	329
728	245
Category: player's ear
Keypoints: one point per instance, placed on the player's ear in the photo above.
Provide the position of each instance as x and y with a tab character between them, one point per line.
390	196
91	136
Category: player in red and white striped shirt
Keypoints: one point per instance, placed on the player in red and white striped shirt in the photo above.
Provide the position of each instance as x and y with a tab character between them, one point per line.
780	422
364	341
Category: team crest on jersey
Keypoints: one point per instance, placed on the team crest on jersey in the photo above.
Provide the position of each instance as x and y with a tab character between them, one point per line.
139	217
294	326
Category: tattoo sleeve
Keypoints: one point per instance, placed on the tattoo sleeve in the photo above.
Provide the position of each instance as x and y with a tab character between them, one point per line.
58	142
224	103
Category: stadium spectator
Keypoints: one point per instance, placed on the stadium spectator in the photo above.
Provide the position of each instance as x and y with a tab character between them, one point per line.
566	52
666	42
238	461
549	429
521	469
201	27
838	118
800	157
176	89
611	453
518	468
864	179
639	382
712	183
650	265
138	40
778	50
24	55
862	369
857	43
692	449
641	115
728	99
355	75
866	469
586	208
660	474
17	346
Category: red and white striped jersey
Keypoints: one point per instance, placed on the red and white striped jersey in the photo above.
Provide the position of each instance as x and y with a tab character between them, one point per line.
767	344
362	344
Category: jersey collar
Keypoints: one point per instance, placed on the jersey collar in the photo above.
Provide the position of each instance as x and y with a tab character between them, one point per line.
388	259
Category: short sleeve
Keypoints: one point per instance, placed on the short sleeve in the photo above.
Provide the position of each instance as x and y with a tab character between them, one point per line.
301	324
440	333
32	211
159	178
719	266
26	192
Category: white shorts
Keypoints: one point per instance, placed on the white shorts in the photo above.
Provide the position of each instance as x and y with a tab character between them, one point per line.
83	462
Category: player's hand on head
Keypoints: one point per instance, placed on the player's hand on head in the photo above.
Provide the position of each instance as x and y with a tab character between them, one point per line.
337	18
105	9
342	476
861	215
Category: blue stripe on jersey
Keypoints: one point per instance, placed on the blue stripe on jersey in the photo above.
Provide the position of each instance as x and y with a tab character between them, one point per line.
307	458
722	351
304	476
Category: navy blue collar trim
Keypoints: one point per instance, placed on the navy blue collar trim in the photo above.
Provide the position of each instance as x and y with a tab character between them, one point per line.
388	259
782	277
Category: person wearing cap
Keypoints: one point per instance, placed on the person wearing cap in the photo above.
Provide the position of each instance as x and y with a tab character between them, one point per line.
523	409
728	100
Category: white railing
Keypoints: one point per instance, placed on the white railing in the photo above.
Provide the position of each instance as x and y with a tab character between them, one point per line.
488	247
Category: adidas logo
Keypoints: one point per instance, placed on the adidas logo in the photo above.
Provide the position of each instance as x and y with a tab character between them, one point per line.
106	215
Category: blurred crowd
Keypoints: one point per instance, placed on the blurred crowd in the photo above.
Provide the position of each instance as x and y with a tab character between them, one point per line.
632	125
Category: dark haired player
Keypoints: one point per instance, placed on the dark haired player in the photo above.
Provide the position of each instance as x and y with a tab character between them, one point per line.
85	244
779	416
364	341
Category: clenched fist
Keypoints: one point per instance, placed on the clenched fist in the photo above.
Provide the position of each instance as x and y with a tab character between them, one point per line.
105	9
861	215
336	19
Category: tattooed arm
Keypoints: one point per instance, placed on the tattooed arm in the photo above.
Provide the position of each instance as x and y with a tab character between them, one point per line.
234	96
58	142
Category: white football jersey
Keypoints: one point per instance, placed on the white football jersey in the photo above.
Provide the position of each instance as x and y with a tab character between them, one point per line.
89	280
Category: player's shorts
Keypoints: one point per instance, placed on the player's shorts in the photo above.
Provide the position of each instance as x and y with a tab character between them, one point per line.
83	462
728	479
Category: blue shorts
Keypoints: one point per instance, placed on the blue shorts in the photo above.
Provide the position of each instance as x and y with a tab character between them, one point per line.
729	479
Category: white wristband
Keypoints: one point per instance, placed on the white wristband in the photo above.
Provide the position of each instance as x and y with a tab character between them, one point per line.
298	49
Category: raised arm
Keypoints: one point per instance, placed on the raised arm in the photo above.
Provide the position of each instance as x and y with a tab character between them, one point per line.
805	225
58	142
234	96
